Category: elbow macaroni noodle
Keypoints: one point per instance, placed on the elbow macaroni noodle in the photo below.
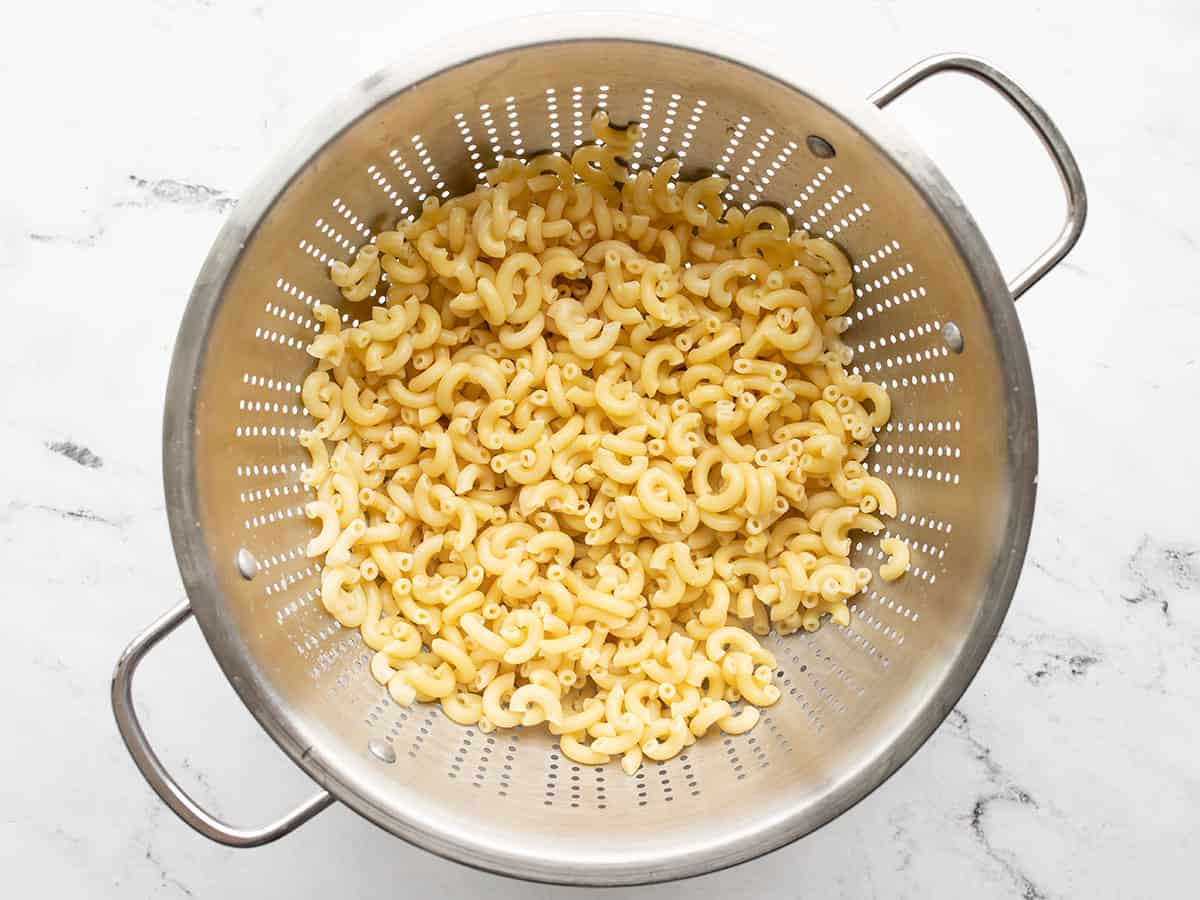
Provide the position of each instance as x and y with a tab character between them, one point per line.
898	554
598	437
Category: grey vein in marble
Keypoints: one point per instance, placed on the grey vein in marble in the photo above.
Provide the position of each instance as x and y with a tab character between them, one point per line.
76	453
166	879
1003	789
1076	666
82	241
179	193
1155	568
82	515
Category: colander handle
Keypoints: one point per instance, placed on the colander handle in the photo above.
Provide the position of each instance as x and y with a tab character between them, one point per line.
1043	126
152	769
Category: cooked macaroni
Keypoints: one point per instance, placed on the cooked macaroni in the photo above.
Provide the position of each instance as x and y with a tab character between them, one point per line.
898	555
598	436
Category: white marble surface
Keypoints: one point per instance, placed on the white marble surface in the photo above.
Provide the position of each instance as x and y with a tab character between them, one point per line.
1071	767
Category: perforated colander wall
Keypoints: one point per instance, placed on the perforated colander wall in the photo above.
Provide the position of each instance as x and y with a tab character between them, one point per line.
912	357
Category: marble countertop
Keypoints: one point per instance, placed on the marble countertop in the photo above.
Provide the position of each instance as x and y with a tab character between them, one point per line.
1069	769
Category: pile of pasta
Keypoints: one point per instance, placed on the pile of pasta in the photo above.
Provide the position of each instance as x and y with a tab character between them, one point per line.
598	437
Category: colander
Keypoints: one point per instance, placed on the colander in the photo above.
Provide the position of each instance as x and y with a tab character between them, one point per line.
934	322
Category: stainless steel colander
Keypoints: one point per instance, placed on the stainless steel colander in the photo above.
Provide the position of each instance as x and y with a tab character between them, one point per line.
935	322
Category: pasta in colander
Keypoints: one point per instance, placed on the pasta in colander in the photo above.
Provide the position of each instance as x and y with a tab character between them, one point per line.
598	437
